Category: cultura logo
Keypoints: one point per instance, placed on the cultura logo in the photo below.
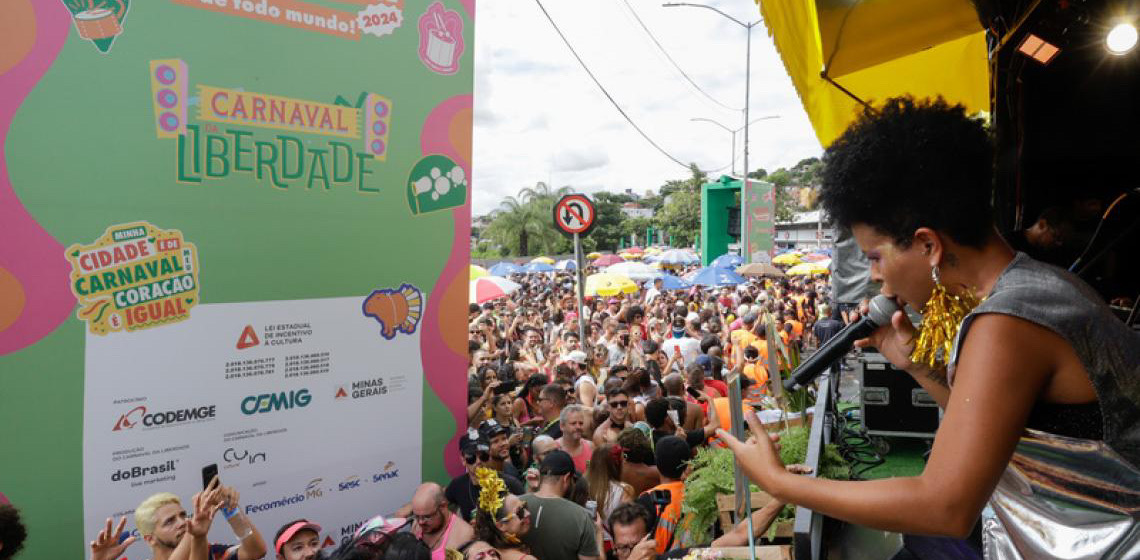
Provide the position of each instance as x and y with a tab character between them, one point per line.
390	472
269	402
165	418
349	483
235	458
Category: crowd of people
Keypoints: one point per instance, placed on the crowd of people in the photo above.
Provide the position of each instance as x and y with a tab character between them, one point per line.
576	447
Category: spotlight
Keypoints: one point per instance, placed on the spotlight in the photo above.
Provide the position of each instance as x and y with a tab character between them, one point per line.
1121	39
1038	49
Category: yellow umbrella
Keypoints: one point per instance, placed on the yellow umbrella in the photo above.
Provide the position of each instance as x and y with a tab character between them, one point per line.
877	49
807	269
478	272
786	259
594	255
606	284
653	251
543	260
630	256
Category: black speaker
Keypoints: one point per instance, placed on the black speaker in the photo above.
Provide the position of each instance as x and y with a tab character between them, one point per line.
733	221
892	402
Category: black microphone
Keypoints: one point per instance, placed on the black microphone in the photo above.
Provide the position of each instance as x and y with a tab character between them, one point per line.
879	314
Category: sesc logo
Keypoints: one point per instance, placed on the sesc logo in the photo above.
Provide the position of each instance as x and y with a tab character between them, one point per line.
349	483
269	402
390	472
164	419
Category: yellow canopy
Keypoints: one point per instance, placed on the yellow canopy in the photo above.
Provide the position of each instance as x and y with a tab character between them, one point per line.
807	269
606	284
878	49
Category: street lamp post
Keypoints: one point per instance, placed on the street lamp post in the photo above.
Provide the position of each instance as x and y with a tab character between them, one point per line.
743	501
733	132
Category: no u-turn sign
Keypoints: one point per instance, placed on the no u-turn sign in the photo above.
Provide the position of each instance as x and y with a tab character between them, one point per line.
574	213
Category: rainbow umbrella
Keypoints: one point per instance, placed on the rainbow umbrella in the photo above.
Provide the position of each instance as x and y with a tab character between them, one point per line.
477	271
487	288
606	284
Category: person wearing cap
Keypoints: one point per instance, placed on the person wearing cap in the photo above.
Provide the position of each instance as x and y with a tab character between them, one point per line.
462	490
499	441
435	524
664	500
560	529
680	343
585	386
298	540
573	421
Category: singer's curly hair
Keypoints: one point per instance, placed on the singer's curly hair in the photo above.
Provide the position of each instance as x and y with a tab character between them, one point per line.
909	164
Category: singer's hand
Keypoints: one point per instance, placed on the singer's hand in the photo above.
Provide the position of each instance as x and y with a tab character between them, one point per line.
759	456
895	341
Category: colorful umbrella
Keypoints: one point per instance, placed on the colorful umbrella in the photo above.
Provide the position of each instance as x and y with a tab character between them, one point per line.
606	260
606	284
533	267
634	270
787	259
565	264
478	272
505	269
727	261
760	269
634	250
488	288
543	260
677	256
715	276
808	269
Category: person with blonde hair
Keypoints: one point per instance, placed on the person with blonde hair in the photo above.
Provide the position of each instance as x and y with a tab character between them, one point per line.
164	525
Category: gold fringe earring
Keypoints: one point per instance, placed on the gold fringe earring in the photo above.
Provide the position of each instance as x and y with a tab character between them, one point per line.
941	318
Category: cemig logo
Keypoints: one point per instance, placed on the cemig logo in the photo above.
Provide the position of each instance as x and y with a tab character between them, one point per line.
349	483
126	422
248	338
269	402
341	393
313	490
390	472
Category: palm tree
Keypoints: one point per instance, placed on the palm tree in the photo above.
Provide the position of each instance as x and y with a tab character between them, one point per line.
542	199
514	223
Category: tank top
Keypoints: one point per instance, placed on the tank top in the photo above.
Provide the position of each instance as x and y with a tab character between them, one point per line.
1070	495
440	552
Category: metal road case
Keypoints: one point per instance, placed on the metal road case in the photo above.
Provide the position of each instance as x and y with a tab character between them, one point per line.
892	403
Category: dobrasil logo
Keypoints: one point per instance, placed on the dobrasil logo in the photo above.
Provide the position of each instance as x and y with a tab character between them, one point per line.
269	402
136	472
166	418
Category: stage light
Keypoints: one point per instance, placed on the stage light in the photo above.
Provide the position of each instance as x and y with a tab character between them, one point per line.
1038	49
1121	39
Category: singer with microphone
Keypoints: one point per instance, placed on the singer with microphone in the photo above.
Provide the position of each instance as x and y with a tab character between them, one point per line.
1038	381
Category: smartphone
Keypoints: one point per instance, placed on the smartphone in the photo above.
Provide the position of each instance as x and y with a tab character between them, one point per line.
693	392
673	416
208	473
592	507
662	497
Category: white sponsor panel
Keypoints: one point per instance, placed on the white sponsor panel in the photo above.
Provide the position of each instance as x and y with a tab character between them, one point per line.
304	406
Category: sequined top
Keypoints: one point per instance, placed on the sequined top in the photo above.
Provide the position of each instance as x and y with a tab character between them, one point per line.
1110	352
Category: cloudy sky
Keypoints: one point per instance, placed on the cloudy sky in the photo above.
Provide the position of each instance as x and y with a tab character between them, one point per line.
539	117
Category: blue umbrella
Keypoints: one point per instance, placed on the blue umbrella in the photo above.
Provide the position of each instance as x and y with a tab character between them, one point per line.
538	267
713	276
505	269
727	261
674	283
566	264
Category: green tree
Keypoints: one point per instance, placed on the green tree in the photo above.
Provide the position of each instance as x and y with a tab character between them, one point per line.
514	224
607	231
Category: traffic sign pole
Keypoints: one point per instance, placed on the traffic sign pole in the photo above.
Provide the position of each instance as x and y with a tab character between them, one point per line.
580	276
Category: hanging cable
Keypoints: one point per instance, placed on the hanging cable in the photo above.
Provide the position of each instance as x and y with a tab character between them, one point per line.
674	62
614	101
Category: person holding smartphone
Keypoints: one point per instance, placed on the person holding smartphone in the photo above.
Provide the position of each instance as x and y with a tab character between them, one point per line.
163	524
